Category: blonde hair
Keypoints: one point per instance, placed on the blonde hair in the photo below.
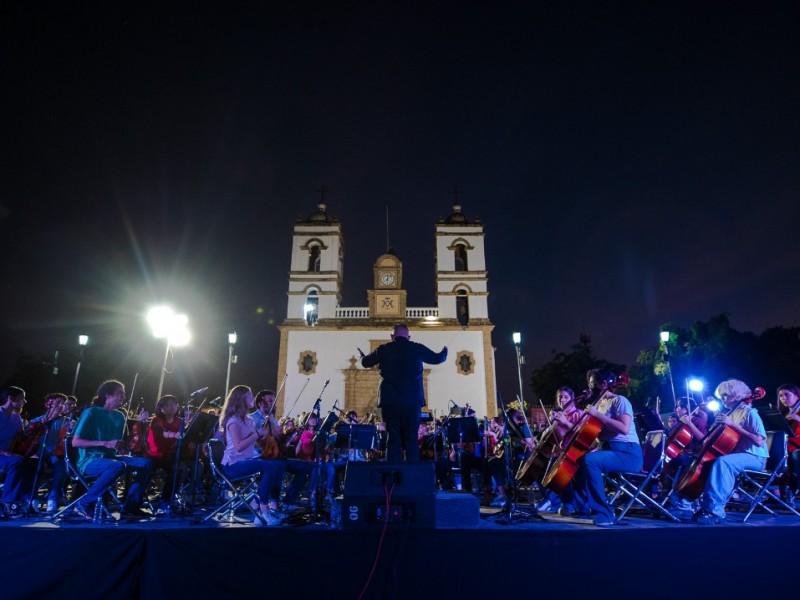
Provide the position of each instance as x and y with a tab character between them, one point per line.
734	388
235	405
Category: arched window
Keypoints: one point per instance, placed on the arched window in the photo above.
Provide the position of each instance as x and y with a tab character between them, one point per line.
462	308
314	253
460	254
311	308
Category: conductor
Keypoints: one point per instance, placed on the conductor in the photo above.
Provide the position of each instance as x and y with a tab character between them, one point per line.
401	393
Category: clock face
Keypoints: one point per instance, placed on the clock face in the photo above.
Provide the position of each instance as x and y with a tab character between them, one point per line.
387	279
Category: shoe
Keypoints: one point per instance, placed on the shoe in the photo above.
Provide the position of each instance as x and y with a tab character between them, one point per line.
83	510
602	521
704	517
269	520
566	511
163	508
682	514
288	509
498	502
52	506
544	505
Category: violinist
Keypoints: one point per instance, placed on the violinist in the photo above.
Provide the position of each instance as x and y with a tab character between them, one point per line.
99	439
308	449
789	399
162	442
750	451
619	450
60	406
271	447
238	432
19	470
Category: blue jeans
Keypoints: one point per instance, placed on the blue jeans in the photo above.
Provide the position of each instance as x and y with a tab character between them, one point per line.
614	457
20	472
108	470
722	479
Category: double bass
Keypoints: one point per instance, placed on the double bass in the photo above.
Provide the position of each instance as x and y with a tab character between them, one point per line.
721	440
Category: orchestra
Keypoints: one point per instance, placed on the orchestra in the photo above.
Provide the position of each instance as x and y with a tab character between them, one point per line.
563	463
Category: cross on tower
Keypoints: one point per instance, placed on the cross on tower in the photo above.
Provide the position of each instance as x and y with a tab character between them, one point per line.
321	193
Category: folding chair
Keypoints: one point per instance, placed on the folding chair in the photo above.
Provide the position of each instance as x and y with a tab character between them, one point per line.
636	486
755	485
101	511
240	491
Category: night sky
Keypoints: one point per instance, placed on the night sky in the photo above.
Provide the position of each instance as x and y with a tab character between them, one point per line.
633	165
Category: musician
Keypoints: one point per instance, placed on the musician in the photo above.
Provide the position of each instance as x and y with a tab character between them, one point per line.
311	448
56	404
521	446
564	418
697	423
268	425
162	440
789	406
619	451
750	451
98	437
19	470
401	393
238	431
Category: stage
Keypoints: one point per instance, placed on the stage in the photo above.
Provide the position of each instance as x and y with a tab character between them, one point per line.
183	557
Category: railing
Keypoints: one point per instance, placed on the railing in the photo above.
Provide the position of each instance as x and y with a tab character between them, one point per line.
363	313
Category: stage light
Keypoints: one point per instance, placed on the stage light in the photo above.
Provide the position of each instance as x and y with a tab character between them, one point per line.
166	323
713	405
696	385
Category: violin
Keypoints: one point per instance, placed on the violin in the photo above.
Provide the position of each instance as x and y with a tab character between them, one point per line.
138	445
26	442
794	442
721	440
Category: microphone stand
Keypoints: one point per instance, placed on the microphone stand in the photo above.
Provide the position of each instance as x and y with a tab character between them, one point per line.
182	429
316	515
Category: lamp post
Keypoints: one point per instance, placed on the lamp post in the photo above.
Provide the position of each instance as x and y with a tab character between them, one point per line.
165	323
664	339
231	359
517	338
82	341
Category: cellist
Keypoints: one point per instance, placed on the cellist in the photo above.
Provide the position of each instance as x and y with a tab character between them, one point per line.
750	451
619	451
696	424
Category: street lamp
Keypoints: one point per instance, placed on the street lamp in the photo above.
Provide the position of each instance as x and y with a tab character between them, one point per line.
82	341
664	335
165	323
231	359
517	338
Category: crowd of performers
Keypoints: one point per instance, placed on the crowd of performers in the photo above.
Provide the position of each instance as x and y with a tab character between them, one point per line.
151	463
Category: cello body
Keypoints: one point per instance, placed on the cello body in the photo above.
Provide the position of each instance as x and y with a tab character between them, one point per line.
534	466
719	442
582	440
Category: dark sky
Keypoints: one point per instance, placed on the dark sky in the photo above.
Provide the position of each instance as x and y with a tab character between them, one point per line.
633	164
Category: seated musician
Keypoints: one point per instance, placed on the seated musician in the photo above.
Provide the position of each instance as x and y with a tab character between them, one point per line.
519	449
98	437
59	407
619	451
563	419
19	470
311	448
162	440
750	451
269	428
697	423
789	399
238	431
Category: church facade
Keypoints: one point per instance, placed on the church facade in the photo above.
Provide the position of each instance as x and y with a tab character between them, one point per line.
320	339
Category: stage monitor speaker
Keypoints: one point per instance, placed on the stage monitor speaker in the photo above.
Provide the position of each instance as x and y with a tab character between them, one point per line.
367	485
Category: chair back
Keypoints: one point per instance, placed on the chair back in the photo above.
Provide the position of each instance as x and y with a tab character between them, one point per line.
653	449
776	446
216	449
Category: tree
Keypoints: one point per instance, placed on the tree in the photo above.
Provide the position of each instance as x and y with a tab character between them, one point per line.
569	369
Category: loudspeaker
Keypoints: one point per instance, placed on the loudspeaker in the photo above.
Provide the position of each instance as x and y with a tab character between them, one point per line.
409	490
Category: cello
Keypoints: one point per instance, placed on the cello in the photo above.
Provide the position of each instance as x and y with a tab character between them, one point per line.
582	439
721	440
680	437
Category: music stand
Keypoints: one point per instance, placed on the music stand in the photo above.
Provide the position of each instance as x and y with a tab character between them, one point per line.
774	421
199	431
355	436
